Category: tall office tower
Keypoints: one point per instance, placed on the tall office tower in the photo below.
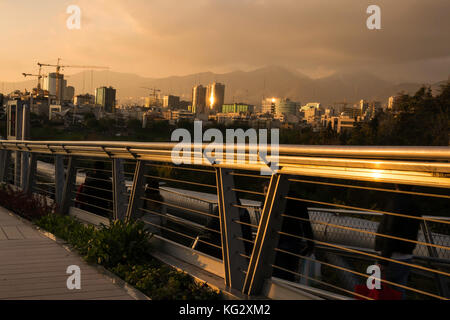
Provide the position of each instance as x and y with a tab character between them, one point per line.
363	106
55	83
106	98
393	102
199	99
215	96
171	102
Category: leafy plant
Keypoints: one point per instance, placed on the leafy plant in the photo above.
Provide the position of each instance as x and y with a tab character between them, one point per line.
121	242
68	229
164	283
123	248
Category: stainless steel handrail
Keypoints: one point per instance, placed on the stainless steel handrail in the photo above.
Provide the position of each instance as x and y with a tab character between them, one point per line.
383	164
366	152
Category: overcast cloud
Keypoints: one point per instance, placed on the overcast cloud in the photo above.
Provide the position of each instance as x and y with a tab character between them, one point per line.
158	38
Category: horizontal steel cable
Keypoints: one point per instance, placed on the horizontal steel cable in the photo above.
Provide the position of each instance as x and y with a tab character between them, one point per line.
367	254
181	181
42	190
371	188
322	282
245	223
175	219
368	210
249	191
95	188
91	205
180	207
249	175
368	232
180	168
362	274
91	196
181	234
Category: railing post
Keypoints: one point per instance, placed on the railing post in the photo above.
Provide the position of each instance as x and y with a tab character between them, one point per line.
263	255
31	174
68	186
59	180
119	190
4	165
233	263
17	170
25	165
137	191
432	251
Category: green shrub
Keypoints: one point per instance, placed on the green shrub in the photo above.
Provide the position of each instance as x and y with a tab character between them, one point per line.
119	243
161	282
68	229
123	248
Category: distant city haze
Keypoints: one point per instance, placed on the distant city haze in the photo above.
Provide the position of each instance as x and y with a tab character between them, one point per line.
162	38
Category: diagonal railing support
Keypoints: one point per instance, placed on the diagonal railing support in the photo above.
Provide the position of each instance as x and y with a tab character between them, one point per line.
441	282
263	256
31	174
69	186
138	189
231	232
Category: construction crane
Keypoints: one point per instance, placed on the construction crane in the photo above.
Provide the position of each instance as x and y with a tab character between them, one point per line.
60	67
39	77
153	94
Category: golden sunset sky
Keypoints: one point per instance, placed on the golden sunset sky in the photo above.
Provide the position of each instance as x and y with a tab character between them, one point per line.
158	38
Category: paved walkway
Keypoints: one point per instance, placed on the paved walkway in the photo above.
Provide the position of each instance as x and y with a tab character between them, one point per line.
33	267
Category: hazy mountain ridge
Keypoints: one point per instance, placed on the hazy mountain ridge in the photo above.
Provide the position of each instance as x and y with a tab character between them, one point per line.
242	86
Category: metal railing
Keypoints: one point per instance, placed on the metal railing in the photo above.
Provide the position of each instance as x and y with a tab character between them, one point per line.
314	226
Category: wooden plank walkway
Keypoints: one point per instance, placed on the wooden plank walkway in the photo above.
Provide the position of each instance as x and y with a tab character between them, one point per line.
33	267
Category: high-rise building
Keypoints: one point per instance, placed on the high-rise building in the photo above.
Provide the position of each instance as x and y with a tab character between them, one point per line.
286	107
199	99
269	105
171	101
215	96
54	84
393	102
363	106
106	98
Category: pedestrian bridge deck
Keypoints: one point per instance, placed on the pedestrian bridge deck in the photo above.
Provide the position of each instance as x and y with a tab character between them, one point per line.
33	267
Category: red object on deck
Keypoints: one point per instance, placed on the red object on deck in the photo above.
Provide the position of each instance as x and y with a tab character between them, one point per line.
385	293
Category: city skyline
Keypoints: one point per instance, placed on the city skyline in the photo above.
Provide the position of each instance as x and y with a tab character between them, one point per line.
315	38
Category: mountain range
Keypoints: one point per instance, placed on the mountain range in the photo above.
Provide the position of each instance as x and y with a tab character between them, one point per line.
241	86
